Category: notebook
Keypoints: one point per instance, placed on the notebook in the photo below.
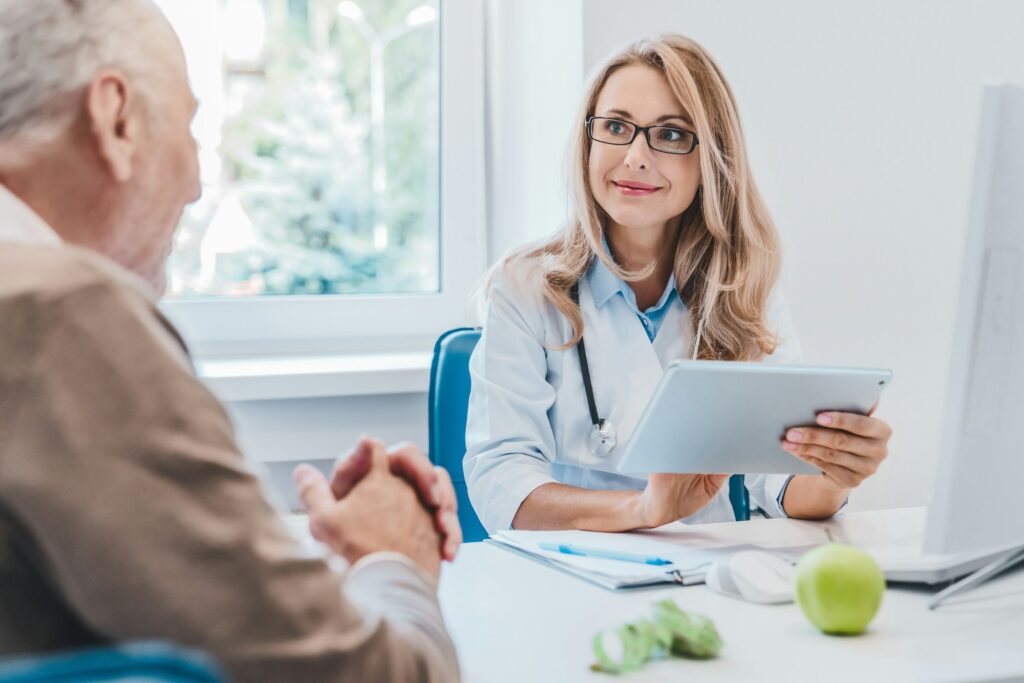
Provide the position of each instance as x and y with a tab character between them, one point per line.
688	565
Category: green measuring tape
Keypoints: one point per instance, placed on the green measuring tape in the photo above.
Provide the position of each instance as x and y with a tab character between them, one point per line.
672	632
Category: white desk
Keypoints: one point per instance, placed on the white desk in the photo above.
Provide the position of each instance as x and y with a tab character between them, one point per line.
518	621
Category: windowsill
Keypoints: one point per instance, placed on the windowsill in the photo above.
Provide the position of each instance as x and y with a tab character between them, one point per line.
321	376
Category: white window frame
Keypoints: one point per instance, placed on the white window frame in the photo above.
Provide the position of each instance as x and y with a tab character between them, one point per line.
234	327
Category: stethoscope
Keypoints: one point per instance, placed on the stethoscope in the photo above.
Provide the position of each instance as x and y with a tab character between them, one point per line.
601	435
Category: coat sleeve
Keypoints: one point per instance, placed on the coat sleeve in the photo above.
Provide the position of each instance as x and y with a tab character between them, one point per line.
510	444
767	490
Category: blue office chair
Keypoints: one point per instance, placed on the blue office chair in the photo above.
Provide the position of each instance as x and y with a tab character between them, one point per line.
143	662
448	404
739	497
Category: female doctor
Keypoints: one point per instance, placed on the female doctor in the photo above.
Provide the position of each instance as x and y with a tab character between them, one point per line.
671	254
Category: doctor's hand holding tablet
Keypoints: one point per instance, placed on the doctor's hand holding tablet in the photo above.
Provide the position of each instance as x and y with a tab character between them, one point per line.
846	447
584	377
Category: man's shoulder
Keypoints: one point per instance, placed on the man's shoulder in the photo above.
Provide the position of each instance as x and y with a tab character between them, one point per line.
52	269
43	283
50	275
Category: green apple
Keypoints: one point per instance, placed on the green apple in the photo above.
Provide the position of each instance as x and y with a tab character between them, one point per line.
839	588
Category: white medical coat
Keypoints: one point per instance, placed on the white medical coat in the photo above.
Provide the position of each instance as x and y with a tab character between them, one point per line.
528	415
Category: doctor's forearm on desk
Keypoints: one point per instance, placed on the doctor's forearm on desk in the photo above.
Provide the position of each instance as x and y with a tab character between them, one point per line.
667	498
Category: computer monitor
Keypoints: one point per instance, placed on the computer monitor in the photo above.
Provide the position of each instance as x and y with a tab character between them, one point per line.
977	506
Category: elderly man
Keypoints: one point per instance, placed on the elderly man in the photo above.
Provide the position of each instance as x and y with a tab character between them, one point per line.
125	510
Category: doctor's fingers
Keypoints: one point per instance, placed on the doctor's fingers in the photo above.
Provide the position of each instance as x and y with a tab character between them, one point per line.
862	425
408	462
863	465
838	440
350	469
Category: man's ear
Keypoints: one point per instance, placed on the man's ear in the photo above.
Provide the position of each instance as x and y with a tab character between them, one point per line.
115	119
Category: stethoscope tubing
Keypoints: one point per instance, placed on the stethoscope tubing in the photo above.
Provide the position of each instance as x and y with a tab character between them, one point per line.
581	350
601	436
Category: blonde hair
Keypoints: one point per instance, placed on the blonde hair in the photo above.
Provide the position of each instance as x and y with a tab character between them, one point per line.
727	256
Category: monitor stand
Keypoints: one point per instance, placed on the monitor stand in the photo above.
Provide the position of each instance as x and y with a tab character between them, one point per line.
1013	558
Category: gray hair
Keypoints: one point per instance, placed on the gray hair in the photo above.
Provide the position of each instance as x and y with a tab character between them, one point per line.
51	49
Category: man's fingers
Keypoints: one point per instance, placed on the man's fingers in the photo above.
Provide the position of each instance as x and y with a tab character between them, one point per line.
380	463
436	491
432	484
349	470
408	462
447	523
446	490
447	517
315	493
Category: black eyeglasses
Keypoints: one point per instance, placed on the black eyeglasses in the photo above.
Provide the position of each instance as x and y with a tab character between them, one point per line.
667	139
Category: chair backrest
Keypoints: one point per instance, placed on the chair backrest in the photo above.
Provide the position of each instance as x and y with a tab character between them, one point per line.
739	497
448	404
144	662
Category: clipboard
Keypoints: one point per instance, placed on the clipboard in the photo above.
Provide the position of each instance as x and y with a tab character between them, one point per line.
688	564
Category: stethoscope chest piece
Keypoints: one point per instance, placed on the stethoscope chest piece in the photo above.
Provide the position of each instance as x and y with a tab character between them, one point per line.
602	438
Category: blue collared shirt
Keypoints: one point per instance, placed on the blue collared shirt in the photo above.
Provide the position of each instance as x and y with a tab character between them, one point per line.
604	285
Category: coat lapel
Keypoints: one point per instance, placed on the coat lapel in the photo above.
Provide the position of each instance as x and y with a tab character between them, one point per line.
625	365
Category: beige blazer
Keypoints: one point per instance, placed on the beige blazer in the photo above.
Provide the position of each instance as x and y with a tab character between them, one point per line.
126	512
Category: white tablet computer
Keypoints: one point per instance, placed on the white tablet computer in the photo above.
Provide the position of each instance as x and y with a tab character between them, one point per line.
730	417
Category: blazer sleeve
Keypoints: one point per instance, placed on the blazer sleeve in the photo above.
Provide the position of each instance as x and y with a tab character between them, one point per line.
131	483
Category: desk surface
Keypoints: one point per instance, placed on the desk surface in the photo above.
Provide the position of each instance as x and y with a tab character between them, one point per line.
515	620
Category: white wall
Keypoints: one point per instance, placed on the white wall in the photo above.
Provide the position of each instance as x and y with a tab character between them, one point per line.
534	75
861	121
323	428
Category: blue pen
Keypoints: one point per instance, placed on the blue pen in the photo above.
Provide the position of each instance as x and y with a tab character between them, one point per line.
567	549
